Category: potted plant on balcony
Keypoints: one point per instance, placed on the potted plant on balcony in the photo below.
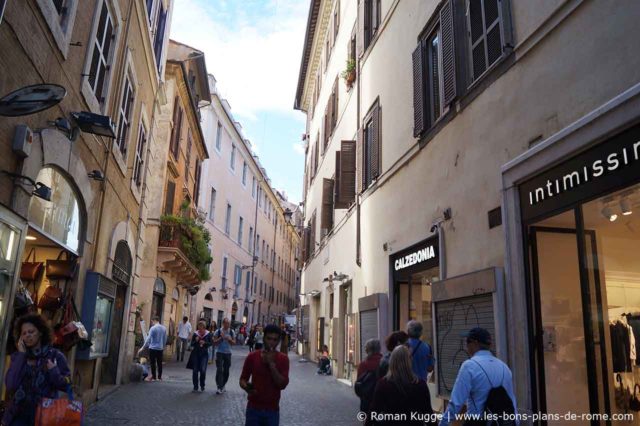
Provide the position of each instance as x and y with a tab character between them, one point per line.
349	74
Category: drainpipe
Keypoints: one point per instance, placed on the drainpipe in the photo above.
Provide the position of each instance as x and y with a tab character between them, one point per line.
358	197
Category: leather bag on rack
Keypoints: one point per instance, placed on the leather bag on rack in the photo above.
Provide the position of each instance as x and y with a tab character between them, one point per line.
30	271
52	299
622	395
62	269
634	403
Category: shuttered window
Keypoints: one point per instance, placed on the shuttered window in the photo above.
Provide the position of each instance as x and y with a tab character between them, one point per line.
345	182
334	105
369	20
434	72
124	115
371	147
196	185
168	204
326	220
484	21
139	158
315	158
177	128
312	234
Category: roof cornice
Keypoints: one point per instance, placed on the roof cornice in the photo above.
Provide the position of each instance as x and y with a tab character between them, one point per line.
312	21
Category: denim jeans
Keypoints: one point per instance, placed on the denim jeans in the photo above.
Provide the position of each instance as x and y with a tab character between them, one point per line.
200	367
181	348
262	417
223	363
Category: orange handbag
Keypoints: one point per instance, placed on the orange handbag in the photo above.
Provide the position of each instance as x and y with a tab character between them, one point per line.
59	411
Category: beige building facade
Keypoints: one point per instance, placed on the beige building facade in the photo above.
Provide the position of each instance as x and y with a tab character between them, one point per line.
108	56
253	238
461	136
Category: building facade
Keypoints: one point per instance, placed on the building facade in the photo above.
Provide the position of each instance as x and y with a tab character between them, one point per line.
470	163
86	159
253	237
176	259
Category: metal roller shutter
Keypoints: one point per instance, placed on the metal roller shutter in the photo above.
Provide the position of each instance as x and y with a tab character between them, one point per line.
454	317
368	329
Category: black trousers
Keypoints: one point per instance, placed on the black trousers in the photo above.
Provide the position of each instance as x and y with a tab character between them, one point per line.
223	363
155	357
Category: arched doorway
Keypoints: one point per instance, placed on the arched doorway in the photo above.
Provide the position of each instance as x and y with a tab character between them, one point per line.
234	311
121	274
157	304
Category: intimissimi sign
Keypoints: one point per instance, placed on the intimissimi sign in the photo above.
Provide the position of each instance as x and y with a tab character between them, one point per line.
608	166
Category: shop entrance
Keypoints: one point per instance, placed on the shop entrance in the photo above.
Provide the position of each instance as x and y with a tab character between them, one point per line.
584	272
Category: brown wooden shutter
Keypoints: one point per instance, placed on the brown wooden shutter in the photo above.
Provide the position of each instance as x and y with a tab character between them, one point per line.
312	234
176	146
168	202
347	179
196	186
336	90
326	219
336	183
361	29
448	53
305	239
316	159
374	17
360	160
375	143
419	116
176	106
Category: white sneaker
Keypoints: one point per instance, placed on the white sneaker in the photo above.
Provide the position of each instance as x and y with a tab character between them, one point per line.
219	392
223	390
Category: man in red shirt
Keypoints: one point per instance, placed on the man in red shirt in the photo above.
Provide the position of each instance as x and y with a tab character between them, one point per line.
268	370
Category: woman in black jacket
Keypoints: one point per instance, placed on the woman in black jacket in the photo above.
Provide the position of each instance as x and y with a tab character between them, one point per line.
200	343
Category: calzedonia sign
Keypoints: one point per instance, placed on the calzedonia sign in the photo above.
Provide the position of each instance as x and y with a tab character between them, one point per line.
609	166
421	256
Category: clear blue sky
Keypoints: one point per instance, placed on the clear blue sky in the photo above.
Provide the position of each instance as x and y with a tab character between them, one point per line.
253	48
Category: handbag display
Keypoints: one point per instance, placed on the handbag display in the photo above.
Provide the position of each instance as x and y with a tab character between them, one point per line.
59	411
622	395
71	331
31	271
62	269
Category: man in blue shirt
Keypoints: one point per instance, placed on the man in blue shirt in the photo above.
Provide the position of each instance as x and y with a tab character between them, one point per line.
421	354
156	341
476	378
223	337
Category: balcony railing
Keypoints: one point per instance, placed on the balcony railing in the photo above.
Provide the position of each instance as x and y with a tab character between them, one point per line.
174	256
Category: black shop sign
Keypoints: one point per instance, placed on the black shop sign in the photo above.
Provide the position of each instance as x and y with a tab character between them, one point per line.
419	257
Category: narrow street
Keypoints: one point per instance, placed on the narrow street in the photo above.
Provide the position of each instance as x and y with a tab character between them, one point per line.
308	400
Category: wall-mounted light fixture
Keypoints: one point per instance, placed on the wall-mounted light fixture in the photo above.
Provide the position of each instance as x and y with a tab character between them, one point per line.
40	189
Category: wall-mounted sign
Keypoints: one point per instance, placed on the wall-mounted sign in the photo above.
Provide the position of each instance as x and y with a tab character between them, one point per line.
604	168
418	257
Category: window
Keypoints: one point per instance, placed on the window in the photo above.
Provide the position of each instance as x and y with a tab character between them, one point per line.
244	173
326	219
253	187
232	162
247	285
371	146
258	245
139	160
240	226
219	137
168	205
187	161
433	76
251	239
158	40
485	40
255	285
224	272
237	276
196	184
371	20
102	56
345	181
267	254
227	221
124	115
176	130
336	21
259	198
263	243
212	205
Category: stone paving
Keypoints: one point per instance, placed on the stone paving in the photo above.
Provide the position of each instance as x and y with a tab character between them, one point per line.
308	400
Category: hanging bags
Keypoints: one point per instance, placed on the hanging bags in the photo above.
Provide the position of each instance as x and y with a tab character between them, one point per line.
31	270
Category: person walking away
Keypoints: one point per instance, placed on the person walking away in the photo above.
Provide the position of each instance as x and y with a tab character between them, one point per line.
156	341
484	383
421	353
223	338
36	371
265	374
368	375
259	337
400	393
184	334
251	341
200	344
391	342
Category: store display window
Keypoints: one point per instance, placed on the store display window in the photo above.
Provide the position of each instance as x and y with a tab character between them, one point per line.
101	325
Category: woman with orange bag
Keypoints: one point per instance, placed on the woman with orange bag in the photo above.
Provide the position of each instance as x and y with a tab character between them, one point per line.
36	371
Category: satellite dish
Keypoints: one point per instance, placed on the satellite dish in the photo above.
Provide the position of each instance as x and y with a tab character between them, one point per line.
31	99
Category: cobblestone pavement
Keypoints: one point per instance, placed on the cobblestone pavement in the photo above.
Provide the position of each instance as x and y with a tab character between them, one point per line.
308	400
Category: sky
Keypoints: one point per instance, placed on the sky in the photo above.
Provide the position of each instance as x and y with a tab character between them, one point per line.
253	48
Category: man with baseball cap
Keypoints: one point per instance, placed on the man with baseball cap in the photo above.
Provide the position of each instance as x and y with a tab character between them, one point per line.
480	378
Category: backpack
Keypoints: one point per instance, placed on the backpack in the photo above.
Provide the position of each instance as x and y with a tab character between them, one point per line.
498	402
366	385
